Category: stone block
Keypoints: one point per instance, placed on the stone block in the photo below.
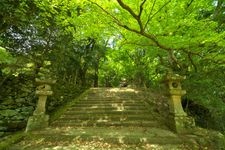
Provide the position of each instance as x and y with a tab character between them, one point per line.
181	124
37	122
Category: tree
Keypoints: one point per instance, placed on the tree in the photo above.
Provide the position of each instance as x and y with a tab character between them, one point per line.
183	36
172	26
91	42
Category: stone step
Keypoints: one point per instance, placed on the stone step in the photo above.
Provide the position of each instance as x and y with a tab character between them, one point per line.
106	108
113	115
107	112
109	93
113	103
104	123
107	104
114	90
135	136
109	117
55	139
114	98
114	93
105	99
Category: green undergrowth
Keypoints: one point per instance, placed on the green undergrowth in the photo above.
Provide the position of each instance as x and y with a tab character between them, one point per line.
7	141
58	112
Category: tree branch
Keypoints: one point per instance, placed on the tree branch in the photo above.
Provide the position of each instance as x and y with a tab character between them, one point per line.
127	8
141	8
137	17
149	15
192	62
157	12
189	52
189	4
117	21
138	44
141	32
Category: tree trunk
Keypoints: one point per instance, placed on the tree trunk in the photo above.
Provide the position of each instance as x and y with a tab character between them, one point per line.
82	74
96	77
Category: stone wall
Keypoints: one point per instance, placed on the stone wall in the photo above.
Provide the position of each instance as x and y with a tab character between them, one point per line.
17	102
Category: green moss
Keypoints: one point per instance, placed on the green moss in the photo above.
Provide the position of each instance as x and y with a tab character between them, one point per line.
6	142
56	114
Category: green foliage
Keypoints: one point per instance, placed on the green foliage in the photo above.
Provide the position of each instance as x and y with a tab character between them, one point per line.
5	57
133	63
206	88
91	40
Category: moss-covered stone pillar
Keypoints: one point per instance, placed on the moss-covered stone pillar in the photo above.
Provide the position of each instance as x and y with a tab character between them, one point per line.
40	120
179	121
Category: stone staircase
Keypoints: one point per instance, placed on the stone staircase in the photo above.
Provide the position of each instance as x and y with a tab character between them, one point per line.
108	107
108	118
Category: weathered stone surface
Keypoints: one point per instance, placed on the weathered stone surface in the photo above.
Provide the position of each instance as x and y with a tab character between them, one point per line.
45	81
178	119
8	113
18	94
40	120
37	122
181	124
20	100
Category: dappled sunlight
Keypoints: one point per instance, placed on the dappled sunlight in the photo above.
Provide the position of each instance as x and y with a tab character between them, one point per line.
146	48
107	146
143	140
111	116
123	118
94	106
102	120
121	139
155	147
119	90
118	107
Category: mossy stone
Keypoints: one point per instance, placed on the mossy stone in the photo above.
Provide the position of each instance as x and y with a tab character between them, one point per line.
37	122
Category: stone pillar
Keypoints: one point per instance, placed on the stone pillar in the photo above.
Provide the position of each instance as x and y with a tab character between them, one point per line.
39	120
179	121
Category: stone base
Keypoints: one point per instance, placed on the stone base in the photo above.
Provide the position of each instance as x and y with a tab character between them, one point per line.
181	124
37	122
